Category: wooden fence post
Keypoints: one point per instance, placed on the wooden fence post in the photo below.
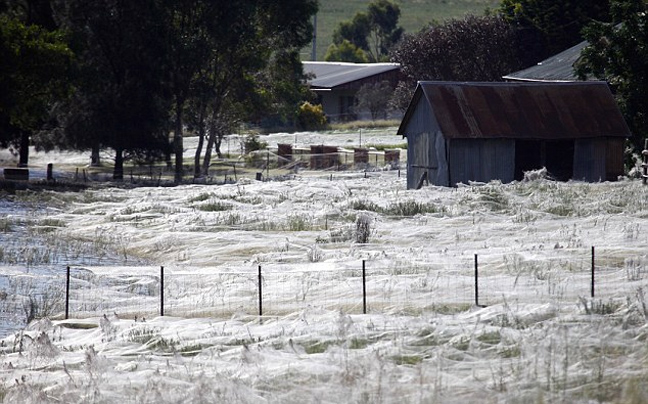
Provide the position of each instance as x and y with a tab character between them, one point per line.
476	281
67	294
260	294
364	289
593	267
161	291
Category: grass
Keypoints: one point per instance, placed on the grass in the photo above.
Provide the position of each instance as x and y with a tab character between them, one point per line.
415	14
357	125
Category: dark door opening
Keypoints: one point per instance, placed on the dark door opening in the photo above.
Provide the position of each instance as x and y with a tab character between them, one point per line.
560	159
557	156
528	156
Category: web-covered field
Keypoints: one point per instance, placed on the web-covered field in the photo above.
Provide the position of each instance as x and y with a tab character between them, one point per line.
541	338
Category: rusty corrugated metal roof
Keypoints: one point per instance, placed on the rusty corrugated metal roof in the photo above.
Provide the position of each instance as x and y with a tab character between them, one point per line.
522	110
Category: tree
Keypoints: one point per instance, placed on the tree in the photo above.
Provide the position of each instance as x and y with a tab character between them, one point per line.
120	100
618	53
375	98
34	65
374	31
345	52
228	46
551	26
468	49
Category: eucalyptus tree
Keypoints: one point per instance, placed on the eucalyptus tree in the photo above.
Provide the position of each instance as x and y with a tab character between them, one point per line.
34	64
371	33
252	67
547	27
120	100
618	53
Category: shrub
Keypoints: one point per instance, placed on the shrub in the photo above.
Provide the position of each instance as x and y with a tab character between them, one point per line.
252	143
311	117
363	229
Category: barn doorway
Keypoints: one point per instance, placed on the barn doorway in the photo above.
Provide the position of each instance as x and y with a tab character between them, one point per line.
560	159
557	156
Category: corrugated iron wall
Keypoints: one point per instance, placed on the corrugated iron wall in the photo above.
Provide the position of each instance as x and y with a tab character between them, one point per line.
481	160
426	156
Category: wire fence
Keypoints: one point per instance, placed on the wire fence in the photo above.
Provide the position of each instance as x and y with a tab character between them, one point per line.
563	276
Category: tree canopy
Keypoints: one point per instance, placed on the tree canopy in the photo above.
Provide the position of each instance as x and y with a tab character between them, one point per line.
547	27
146	69
618	53
34	64
373	33
469	49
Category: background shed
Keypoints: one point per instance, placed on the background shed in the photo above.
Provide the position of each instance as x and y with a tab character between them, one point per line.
462	132
337	83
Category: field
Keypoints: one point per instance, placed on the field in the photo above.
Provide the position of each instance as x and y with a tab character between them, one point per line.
415	14
540	337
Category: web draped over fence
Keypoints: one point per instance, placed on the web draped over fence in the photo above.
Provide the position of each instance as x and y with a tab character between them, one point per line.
562	276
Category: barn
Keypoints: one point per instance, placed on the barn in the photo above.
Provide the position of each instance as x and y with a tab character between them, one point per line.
462	132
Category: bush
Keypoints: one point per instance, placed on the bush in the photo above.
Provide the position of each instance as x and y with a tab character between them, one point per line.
252	143
363	229
311	117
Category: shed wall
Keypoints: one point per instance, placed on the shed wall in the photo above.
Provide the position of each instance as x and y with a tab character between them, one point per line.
481	160
589	160
599	159
426	151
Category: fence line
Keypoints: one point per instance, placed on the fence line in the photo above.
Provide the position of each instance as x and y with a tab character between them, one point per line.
449	283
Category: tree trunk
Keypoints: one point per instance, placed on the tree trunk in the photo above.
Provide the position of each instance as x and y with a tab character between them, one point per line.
217	146
201	141
178	148
118	171
95	159
23	160
210	146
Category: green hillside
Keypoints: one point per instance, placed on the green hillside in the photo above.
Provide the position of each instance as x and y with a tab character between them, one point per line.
415	14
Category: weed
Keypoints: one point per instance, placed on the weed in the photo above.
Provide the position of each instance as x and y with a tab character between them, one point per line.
318	347
315	254
494	198
298	223
363	229
598	306
407	359
358	343
215	207
6	225
201	197
410	208
365	205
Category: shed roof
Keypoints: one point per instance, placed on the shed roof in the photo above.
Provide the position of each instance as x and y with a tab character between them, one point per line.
558	68
328	75
520	110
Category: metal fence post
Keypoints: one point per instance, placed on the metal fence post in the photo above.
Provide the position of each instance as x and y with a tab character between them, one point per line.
476	281
67	294
593	267
161	291
260	294
364	288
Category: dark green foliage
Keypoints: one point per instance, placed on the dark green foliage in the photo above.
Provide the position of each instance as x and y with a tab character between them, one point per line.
547	27
470	49
34	65
345	51
618	53
374	32
146	69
